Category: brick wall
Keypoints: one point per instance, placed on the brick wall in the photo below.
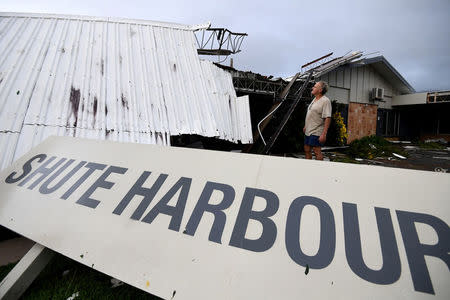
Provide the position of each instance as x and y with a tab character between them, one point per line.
362	120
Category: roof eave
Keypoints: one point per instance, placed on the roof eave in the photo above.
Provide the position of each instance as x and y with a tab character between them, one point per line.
382	59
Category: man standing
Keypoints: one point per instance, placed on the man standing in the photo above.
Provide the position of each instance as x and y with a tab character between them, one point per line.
317	121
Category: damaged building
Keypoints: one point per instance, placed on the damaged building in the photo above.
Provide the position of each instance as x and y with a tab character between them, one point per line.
368	88
144	82
378	100
110	79
372	96
424	115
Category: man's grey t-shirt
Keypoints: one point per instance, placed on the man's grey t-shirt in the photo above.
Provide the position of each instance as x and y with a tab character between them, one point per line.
315	117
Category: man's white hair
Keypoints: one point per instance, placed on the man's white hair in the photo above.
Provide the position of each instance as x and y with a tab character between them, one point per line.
324	86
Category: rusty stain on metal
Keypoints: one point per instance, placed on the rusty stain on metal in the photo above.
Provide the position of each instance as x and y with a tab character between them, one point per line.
95	110
65	80
316	60
75	101
124	101
108	131
95	106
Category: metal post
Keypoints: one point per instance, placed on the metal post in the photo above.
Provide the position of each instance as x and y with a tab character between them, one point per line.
264	124
287	116
26	270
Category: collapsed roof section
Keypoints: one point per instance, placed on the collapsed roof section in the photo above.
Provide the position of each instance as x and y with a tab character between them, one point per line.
247	82
324	65
114	79
219	41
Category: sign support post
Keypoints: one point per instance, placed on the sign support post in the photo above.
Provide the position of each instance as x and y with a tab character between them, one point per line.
23	274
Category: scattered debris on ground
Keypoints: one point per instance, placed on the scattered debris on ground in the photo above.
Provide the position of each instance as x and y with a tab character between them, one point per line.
116	282
433	145
428	156
74	295
81	282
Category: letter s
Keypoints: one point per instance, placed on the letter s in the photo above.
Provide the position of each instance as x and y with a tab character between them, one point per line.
26	169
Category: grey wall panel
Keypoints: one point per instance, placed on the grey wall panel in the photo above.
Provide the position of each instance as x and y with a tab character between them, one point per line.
359	85
371	76
340	94
332	78
366	85
353	83
347	78
325	78
340	78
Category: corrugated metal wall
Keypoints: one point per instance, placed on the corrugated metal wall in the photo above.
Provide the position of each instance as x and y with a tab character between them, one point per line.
123	80
354	84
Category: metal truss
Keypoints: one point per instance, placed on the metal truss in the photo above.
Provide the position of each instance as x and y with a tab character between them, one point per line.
438	97
218	41
251	85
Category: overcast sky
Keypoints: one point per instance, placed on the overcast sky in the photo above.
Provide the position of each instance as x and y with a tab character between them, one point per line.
413	35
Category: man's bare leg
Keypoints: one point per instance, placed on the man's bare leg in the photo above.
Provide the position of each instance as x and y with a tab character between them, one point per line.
318	153
308	154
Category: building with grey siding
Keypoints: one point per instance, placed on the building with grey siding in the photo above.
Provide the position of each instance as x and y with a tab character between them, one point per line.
354	85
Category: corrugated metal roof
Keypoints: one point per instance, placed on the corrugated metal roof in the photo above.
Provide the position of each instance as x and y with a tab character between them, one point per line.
106	78
8	142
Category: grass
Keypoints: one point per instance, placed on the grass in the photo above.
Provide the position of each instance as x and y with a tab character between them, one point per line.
345	160
373	146
4	270
89	283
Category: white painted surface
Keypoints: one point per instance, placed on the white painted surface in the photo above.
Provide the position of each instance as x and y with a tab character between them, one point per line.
410	99
108	78
161	261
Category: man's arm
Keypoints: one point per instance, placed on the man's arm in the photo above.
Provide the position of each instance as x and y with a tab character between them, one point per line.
323	136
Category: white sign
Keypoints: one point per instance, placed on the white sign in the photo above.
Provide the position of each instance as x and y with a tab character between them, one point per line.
198	224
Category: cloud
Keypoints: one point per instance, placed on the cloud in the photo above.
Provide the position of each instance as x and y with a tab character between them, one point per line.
414	35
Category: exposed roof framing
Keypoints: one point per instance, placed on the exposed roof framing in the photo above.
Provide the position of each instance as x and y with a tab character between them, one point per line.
438	97
109	79
219	41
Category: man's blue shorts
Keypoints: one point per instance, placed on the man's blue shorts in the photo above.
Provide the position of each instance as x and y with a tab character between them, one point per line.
313	141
